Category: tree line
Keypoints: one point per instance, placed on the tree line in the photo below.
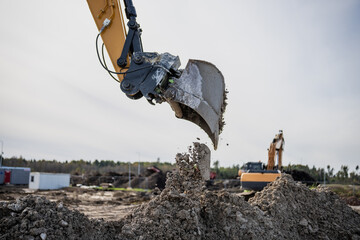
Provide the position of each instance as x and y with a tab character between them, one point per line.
343	176
79	167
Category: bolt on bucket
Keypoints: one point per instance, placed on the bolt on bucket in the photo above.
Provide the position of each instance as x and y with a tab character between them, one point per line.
199	96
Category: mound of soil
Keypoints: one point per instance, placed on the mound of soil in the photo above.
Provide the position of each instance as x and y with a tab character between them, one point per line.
307	214
96	178
185	209
154	180
37	218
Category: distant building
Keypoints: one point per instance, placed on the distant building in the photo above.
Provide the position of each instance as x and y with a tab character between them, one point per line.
14	175
47	181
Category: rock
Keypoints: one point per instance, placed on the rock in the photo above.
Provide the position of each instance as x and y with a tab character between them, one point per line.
16	207
43	236
203	154
63	223
303	222
60	205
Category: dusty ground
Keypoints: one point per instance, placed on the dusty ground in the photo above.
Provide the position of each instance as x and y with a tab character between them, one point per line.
109	205
185	209
356	209
97	204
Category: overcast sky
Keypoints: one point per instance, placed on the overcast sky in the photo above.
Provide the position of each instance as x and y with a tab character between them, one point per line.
290	65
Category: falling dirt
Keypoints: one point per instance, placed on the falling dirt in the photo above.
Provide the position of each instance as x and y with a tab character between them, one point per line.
185	209
223	107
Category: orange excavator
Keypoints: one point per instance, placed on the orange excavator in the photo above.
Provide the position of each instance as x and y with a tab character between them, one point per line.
255	175
196	93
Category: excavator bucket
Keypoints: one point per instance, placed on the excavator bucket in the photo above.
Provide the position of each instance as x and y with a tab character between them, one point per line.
199	96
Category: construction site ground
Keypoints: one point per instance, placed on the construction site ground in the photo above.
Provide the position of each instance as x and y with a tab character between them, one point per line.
184	209
109	205
97	204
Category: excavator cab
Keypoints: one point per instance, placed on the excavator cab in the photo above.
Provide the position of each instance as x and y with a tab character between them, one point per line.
196	93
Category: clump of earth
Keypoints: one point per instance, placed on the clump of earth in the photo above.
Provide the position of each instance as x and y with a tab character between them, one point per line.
185	209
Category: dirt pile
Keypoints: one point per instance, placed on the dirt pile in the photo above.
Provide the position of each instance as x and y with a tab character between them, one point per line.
33	217
154	178
97	179
185	209
304	213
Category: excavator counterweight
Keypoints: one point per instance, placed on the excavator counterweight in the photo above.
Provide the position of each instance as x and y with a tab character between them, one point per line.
196	93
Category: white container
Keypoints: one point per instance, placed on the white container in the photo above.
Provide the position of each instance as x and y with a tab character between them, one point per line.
47	181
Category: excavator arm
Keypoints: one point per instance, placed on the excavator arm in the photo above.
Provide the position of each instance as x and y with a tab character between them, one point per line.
196	93
115	35
275	151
